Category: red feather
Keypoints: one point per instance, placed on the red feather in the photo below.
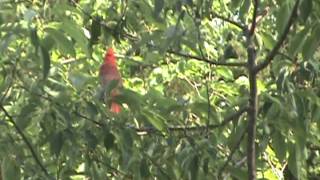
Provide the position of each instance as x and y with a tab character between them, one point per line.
109	72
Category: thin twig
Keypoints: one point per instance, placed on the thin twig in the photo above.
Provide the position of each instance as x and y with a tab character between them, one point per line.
282	38
157	165
209	105
114	169
238	64
198	128
58	104
237	24
234	149
25	140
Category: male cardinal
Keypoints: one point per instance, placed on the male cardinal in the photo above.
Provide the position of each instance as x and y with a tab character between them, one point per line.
110	73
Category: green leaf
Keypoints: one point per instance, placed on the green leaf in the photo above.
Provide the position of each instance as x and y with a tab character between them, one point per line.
56	143
311	43
305	9
10	169
109	140
64	44
230	52
225	72
45	57
275	110
236	3
110	86
76	32
282	79
78	79
244	10
34	37
91	139
5	42
298	41
158	6
296	161
131	98
144	169
238	173
155	119
95	29
194	167
279	146
48	42
282	17
25	117
268	40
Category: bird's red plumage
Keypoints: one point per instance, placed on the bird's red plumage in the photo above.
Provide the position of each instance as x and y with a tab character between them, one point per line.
108	72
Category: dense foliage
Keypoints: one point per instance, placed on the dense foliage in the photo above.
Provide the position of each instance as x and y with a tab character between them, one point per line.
212	89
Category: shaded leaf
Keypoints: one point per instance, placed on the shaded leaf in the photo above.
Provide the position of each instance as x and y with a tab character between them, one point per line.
311	43
155	119
45	57
158	6
91	139
34	37
95	29
305	9
144	169
56	143
10	169
279	146
109	140
298	42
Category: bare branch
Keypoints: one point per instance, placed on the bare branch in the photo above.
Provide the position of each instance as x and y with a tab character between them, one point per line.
282	38
25	140
239	64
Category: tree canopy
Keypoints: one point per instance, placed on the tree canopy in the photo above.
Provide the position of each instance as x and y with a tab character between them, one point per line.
211	89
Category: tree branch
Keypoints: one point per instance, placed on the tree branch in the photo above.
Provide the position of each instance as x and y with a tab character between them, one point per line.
254	17
253	100
26	141
283	37
237	24
239	64
252	114
199	128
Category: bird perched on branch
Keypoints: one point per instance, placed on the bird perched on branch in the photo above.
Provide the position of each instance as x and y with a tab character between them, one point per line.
111	80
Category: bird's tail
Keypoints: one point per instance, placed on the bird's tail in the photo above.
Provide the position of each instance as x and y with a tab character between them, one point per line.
115	107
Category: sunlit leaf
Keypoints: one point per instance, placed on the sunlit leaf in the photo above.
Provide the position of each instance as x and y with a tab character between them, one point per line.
63	43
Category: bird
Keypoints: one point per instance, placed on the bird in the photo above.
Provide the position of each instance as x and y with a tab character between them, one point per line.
110	77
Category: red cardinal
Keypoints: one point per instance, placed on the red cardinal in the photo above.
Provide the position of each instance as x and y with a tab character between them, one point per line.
108	73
